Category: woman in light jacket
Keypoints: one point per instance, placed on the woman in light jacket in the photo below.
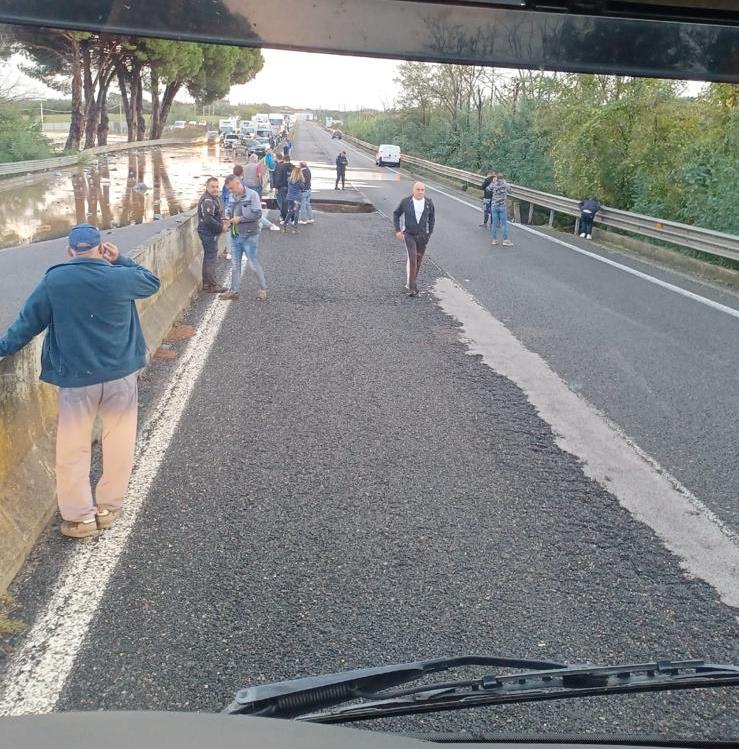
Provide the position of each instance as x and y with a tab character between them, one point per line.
295	190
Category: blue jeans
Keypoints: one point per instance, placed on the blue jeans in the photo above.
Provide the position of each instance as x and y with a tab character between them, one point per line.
306	212
586	223
248	246
499	217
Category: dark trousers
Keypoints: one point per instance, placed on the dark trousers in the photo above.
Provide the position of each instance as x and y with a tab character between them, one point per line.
281	198
586	223
486	211
293	211
340	176
210	253
416	246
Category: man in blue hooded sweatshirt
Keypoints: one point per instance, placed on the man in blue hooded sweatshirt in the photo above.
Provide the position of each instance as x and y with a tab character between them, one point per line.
93	350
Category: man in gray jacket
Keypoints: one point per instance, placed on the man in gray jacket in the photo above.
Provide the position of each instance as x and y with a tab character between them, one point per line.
242	220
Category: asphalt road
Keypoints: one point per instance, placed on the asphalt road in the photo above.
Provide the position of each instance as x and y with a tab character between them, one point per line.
349	487
663	367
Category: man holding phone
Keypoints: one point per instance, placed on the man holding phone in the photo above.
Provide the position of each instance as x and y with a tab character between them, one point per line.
93	349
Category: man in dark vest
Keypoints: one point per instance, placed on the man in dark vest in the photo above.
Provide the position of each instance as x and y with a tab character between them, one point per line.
341	164
210	225
418	215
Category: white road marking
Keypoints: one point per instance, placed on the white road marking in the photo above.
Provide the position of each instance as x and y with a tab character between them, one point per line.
706	548
620	266
38	671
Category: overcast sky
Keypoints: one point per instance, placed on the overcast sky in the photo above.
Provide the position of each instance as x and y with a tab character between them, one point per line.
303	80
297	79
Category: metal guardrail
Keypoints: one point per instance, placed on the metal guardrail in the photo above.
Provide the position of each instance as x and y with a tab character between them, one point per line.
696	238
41	165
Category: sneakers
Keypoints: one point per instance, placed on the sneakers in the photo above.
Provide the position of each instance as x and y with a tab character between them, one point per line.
583	235
229	296
590	236
311	221
274	227
485	225
495	241
507	242
106	517
302	222
261	295
82	529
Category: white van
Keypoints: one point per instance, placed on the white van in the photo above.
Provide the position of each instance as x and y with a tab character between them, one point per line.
388	155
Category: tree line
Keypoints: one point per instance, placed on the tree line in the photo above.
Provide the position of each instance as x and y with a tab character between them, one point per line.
637	144
86	66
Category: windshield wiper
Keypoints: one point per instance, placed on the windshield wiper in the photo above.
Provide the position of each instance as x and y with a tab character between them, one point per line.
308	698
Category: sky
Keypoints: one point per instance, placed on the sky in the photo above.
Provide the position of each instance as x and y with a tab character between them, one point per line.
309	80
302	80
298	79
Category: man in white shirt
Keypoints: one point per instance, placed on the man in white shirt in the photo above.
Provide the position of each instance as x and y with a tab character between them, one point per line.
418	217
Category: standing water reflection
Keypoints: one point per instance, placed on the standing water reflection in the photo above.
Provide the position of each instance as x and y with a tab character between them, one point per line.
117	189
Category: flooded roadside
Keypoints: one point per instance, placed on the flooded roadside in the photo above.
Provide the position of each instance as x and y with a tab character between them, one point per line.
111	190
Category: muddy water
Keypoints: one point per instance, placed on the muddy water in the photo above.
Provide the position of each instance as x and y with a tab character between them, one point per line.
130	187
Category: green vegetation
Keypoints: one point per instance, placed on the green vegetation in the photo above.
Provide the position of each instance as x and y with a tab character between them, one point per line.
20	136
636	144
8	625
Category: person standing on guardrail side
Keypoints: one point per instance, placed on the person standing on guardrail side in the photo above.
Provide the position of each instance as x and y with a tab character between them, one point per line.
588	209
487	193
499	196
243	222
341	164
210	225
93	349
418	217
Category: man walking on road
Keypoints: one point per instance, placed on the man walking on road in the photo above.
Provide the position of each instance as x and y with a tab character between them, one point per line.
499	195
419	216
210	225
341	164
93	349
243	221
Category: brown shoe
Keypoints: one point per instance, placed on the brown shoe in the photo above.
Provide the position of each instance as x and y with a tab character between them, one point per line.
84	529
106	517
229	296
261	295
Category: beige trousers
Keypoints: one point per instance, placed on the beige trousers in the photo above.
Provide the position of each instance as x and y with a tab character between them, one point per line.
116	402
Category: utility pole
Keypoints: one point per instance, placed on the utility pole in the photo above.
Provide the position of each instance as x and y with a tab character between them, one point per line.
41	104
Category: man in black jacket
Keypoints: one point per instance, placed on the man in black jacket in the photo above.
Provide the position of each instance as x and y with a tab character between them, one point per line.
419	216
341	164
282	175
487	194
210	225
588	209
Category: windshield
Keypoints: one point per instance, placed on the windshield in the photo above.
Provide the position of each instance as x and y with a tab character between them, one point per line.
478	398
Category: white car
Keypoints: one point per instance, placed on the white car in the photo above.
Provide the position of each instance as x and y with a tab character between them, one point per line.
388	155
179	125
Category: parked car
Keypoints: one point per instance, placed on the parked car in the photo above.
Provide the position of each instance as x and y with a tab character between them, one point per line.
230	140
388	155
179	125
257	146
212	136
337	135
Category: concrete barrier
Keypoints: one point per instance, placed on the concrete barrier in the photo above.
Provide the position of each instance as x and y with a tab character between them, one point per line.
28	407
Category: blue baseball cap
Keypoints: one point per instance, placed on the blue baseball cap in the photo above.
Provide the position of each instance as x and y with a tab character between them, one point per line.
84	237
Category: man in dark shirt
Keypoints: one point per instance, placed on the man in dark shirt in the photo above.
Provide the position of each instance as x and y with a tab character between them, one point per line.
341	164
418	215
210	225
487	194
282	175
